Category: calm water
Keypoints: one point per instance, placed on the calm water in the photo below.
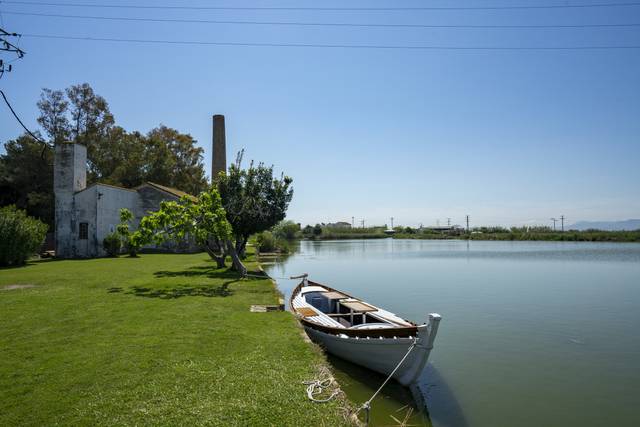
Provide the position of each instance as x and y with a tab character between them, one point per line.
533	333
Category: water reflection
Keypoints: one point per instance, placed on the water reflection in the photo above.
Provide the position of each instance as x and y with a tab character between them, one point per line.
433	392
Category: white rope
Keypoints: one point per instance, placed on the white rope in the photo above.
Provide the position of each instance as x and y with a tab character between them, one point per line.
367	405
316	387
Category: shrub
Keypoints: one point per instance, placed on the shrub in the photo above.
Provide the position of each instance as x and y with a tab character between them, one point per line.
20	236
266	242
112	244
284	246
287	230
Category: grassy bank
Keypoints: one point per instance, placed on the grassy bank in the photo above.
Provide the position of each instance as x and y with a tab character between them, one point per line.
157	340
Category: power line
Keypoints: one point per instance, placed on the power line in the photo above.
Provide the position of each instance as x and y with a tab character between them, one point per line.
332	46
20	121
318	24
514	7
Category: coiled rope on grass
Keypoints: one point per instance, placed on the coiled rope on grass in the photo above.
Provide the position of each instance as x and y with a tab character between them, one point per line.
317	387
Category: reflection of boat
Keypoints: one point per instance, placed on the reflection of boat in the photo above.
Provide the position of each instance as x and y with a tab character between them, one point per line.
362	333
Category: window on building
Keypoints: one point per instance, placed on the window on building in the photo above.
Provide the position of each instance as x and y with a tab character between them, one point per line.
83	232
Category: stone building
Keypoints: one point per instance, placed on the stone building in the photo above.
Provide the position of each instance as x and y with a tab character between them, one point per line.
84	216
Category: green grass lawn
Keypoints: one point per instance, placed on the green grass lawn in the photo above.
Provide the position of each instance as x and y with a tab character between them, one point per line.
156	340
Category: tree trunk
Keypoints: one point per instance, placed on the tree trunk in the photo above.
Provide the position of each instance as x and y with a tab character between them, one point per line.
219	258
241	246
237	264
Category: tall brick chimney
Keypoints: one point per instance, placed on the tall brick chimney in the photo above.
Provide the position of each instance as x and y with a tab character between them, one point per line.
219	160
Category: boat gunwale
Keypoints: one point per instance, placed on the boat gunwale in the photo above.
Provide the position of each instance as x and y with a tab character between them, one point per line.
392	332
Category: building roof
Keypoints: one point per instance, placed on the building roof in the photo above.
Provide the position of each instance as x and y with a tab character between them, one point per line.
95	184
172	191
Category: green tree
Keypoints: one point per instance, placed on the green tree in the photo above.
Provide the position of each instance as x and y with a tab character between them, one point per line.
287	230
203	219
317	230
124	231
253	199
76	114
26	178
120	158
53	119
90	117
176	160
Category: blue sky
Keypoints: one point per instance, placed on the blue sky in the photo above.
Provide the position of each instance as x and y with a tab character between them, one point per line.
509	137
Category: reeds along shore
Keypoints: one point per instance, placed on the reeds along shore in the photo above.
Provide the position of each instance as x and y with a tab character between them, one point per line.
481	233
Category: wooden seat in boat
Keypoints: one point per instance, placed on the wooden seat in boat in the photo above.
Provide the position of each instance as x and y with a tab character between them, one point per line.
358	306
306	311
333	295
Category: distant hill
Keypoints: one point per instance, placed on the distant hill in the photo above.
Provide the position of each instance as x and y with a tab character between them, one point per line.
629	224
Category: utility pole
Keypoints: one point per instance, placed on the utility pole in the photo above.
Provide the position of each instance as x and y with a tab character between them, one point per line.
352	222
554	223
392	223
448	222
362	222
6	46
562	222
467	223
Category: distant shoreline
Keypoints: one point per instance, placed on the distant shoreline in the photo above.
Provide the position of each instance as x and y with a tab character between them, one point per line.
507	235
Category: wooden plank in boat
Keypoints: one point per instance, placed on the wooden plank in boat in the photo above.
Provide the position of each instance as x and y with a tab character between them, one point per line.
357	306
306	312
334	295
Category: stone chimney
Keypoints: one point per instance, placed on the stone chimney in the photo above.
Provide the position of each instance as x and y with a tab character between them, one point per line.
219	159
69	177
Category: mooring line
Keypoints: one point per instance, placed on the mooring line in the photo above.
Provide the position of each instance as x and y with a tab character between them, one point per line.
367	405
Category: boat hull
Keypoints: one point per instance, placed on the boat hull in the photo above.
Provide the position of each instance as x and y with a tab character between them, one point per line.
378	354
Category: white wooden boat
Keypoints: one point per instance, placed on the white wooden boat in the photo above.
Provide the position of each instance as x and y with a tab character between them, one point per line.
362	333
